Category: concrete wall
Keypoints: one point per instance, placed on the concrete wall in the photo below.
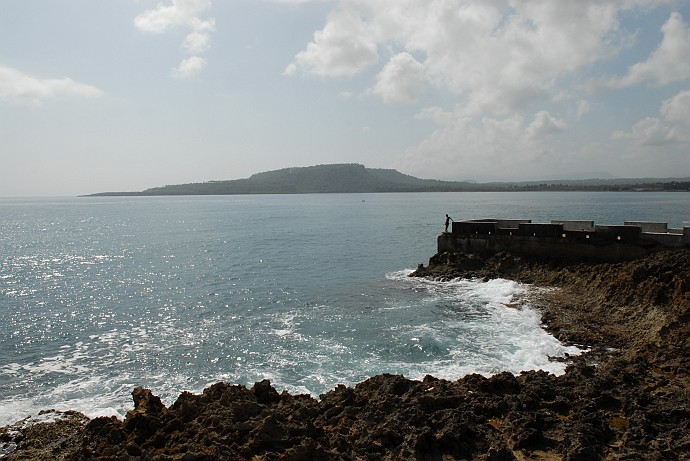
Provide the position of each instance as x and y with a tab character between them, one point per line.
575	225
474	227
648	226
511	223
547	248
628	234
666	239
562	239
540	230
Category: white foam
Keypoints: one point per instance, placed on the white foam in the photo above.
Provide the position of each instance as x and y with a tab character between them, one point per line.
508	329
446	329
83	396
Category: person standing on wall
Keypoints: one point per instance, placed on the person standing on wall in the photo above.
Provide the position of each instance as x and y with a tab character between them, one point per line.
448	220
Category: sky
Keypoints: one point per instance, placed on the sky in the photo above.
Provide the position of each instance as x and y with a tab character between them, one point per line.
123	95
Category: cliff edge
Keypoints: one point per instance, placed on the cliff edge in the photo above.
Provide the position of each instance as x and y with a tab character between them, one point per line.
627	398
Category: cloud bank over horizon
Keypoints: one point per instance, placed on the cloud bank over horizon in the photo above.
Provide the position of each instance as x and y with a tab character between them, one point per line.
447	89
518	73
20	88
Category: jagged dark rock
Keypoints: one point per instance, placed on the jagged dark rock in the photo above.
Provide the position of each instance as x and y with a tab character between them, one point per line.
628	398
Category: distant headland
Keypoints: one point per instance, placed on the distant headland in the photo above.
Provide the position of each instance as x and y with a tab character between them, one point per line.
356	178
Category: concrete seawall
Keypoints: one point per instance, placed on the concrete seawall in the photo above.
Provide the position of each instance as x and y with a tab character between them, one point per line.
563	238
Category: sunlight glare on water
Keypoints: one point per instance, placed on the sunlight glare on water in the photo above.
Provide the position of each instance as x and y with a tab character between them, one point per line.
100	295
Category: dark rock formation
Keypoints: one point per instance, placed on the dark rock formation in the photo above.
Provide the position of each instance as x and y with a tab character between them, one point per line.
40	438
627	399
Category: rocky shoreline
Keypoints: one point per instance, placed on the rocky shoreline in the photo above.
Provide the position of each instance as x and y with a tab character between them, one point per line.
628	398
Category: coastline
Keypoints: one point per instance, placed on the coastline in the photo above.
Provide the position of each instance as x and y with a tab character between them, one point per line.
628	397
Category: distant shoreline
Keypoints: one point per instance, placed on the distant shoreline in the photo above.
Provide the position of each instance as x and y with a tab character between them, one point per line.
355	178
144	194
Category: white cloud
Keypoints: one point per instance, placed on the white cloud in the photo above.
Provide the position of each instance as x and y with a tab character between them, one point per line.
344	47
672	128
647	132
17	87
190	67
507	66
677	108
492	147
197	42
505	58
670	62
501	54
583	107
296	2
544	125
401	79
182	14
436	115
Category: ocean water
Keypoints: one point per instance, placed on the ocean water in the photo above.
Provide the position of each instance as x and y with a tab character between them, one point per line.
100	295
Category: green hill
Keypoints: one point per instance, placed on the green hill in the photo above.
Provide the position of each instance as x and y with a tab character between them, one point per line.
339	178
353	178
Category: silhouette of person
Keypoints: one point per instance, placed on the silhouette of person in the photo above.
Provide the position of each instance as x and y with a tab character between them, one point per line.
448	220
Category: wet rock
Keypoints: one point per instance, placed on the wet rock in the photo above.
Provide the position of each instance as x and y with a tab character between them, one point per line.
146	402
41	437
265	393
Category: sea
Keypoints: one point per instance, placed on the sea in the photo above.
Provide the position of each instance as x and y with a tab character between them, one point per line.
99	295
